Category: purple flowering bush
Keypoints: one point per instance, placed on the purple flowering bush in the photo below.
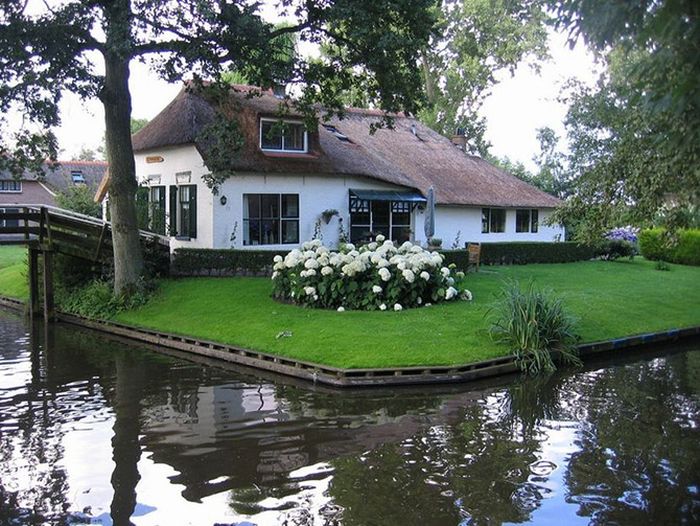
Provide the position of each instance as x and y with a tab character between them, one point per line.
625	233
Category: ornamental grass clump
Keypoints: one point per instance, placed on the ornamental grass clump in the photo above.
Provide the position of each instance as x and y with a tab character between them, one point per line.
376	276
535	325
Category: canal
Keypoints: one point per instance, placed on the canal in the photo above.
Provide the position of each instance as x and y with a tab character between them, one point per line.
100	432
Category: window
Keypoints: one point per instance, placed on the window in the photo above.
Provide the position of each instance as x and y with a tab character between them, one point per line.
270	219
183	211
282	136
526	220
156	210
370	218
77	177
10	186
493	220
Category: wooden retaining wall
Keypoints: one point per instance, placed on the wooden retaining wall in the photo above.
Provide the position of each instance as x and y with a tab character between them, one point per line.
338	377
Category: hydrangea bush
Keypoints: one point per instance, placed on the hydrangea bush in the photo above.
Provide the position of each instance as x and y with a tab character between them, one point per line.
625	233
376	276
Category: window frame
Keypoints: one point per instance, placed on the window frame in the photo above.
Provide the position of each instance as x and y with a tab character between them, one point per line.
5	186
364	206
305	149
191	202
281	219
533	215
486	226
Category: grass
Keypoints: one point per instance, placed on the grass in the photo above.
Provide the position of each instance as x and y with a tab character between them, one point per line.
13	272
610	299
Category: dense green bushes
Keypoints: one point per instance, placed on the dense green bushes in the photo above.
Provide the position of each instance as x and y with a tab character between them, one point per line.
656	246
520	253
222	262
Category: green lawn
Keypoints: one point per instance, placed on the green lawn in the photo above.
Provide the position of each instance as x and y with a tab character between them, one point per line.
13	272
611	299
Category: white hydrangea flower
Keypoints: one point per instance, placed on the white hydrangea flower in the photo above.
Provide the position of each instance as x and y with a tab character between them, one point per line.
275	274
341	309
278	266
450	281
310	272
278	259
311	263
376	289
349	246
382	306
372	246
302	273
419	301
310	291
401	265
460	275
445	272
384	274
326	271
380	238
466	295
424	275
408	275
417	249
315	297
383	263
397	307
450	293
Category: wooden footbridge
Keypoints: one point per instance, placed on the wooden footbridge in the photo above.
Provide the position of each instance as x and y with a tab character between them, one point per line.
48	230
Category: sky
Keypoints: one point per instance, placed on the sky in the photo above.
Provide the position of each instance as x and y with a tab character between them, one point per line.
517	106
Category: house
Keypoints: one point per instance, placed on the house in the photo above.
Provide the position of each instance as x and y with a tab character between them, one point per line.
288	180
57	177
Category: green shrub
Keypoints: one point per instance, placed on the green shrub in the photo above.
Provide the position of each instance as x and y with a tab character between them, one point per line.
611	249
536	327
521	253
96	299
222	262
655	245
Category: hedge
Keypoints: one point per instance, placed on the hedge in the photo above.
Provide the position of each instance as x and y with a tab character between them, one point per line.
223	262
654	246
521	253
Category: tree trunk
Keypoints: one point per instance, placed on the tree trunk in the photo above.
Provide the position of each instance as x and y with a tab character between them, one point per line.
116	98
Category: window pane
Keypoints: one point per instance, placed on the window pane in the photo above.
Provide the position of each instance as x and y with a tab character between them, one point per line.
290	205
251	232
290	231
270	232
400	234
535	221
498	220
294	137
270	206
251	206
271	135
522	220
485	220
360	234
380	216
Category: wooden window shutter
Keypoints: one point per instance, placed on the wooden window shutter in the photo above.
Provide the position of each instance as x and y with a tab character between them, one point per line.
173	210
193	211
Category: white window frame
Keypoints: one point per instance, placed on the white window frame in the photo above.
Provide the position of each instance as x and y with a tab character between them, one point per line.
12	191
283	150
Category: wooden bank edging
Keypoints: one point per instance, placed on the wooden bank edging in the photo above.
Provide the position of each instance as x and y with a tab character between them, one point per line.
339	377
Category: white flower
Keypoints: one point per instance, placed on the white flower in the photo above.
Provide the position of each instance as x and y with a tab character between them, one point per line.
277	259
311	272
451	293
349	247
275	274
445	272
315	297
419	301
408	275
341	309
326	271
397	307
428	304
466	295
460	275
382	306
450	281
311	263
278	266
380	238
424	275
376	289
372	246
309	291
384	274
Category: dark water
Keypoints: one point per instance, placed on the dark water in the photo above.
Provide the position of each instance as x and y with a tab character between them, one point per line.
105	433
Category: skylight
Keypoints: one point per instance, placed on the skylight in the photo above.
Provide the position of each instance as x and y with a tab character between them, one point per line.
77	177
340	136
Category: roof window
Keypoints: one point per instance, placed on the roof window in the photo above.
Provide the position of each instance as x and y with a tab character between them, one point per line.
77	177
283	136
340	136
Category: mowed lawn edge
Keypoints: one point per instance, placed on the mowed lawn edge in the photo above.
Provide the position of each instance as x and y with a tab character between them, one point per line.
610	300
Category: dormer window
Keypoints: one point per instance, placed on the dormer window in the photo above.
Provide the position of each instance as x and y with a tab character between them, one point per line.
77	177
283	136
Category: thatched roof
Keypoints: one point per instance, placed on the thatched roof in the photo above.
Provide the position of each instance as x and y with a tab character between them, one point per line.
58	176
410	155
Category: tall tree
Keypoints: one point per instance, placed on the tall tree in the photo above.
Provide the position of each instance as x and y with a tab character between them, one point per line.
635	136
373	44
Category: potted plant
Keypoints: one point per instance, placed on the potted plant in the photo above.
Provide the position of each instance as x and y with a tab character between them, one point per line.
328	214
434	243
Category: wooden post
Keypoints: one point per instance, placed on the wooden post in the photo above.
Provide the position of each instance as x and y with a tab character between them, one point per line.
34	305
49	312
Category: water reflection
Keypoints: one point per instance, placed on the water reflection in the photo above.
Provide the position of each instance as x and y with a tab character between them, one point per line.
92	430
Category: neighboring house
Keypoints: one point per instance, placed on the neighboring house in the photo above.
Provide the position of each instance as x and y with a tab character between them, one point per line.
285	179
58	177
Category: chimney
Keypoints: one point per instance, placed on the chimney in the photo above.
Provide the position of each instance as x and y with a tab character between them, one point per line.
279	90
459	139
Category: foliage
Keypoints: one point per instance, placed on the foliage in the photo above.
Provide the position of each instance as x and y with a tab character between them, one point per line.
635	136
477	39
612	249
662	265
222	262
522	253
79	198
658	245
376	276
96	299
13	272
535	325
